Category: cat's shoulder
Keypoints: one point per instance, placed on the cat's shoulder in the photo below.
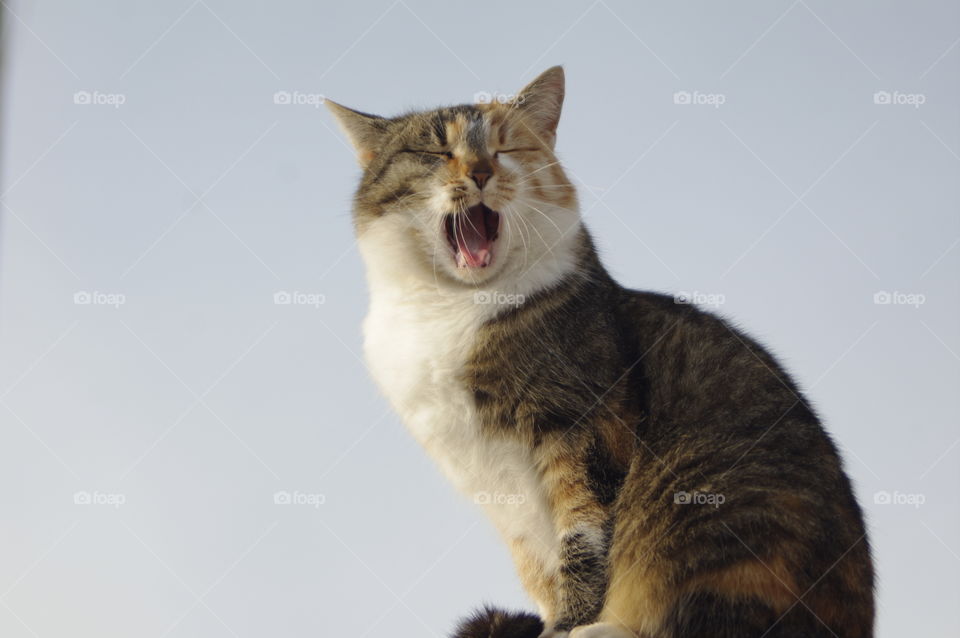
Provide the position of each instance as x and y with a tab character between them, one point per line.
656	315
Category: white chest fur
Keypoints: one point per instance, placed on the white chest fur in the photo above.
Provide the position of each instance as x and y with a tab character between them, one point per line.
416	343
416	352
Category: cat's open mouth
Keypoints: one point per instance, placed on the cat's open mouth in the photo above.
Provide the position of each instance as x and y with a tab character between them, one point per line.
471	235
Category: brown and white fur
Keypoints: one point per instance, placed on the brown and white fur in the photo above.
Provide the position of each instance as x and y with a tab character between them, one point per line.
575	411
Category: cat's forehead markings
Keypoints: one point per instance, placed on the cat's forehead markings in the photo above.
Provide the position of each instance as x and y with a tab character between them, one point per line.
456	127
439	127
469	129
477	134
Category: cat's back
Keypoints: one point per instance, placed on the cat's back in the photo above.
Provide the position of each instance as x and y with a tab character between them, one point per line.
698	365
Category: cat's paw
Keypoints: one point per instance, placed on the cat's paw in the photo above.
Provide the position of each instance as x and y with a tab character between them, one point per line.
600	630
554	634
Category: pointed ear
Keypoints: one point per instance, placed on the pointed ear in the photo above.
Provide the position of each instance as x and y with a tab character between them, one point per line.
364	131
540	103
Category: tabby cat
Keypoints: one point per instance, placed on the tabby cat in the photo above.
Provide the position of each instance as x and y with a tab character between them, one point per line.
653	471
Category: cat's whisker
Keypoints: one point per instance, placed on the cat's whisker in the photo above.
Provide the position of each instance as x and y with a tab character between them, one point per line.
507	218
437	241
526	247
543	240
509	228
539	200
546	244
526	252
462	214
469	221
533	227
526	177
545	216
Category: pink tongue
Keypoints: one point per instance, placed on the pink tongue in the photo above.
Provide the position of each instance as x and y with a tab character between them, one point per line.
471	235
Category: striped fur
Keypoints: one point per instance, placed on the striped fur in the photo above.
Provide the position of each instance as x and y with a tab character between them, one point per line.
654	471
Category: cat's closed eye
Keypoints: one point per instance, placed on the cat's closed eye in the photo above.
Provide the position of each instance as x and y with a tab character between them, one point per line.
447	154
513	150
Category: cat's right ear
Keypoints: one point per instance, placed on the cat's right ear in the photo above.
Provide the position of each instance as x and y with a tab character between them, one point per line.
364	131
540	103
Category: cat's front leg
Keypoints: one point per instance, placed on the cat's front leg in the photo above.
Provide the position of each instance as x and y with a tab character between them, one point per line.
581	580
583	574
581	523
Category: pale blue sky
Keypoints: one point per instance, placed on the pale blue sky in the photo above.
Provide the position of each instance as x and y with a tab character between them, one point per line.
147	163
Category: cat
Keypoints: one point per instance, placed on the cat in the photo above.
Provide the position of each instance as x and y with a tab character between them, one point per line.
653	470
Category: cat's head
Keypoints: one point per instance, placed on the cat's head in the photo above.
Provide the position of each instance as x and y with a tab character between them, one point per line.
464	194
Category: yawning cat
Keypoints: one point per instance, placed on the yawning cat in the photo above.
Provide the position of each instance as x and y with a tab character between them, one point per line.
654	471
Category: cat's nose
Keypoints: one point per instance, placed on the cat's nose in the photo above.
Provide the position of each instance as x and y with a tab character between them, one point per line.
480	173
480	177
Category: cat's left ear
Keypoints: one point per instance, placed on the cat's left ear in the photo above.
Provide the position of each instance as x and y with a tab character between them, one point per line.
364	131
540	103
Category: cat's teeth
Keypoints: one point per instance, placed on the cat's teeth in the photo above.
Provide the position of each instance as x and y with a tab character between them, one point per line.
461	260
